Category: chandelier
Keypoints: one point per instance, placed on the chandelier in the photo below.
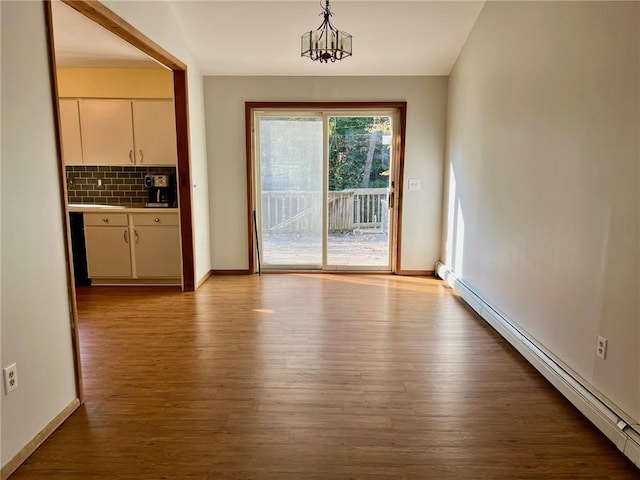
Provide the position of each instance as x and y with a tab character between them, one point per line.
327	43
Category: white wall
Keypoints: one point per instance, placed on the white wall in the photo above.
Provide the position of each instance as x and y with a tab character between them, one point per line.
426	112
543	205
156	21
36	330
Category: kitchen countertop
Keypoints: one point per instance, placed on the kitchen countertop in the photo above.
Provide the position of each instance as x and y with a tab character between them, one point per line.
90	208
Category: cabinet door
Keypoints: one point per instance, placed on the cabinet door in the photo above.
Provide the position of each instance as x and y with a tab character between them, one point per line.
107	132
70	132
157	251
154	128
108	252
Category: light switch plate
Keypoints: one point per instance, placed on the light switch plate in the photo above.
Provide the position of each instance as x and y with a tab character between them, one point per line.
414	184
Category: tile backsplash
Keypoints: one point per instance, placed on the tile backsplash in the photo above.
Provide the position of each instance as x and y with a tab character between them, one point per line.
119	185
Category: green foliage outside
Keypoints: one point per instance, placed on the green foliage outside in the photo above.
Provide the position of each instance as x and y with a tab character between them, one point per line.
357	156
292	153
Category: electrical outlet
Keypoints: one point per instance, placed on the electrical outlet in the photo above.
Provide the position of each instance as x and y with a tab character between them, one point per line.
10	375
601	347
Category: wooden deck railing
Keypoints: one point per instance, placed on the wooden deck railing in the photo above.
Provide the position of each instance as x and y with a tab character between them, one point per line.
300	211
370	207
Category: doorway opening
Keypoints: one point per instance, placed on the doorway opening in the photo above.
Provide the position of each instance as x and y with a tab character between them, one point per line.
117	26
322	186
105	26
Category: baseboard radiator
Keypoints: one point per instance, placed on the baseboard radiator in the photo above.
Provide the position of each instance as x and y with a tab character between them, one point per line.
623	432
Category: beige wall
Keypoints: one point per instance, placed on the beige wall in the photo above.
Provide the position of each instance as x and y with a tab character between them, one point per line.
115	82
543	161
156	20
426	113
36	323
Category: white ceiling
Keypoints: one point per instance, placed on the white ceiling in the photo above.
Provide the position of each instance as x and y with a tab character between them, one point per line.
80	42
238	37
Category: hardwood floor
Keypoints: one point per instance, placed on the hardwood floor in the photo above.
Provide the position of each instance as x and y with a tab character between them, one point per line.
307	376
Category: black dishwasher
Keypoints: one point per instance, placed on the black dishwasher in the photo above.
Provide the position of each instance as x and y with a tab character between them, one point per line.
79	249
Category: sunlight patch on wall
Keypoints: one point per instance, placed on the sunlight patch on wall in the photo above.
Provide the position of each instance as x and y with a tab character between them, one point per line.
454	246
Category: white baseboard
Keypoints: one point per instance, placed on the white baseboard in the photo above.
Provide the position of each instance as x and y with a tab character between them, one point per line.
614	424
632	447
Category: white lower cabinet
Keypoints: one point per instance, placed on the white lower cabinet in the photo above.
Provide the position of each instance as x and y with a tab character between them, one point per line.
136	246
156	245
108	245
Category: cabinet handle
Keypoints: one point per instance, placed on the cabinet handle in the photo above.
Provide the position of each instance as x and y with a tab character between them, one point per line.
126	236
141	156
135	232
157	220
131	156
105	219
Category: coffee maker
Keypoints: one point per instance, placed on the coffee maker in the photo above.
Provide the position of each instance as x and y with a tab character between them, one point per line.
162	190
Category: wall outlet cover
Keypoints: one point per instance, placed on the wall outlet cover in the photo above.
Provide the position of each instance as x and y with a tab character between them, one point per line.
10	377
601	348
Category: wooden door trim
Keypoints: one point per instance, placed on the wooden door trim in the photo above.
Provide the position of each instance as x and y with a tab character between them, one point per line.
185	203
402	112
251	200
71	287
250	107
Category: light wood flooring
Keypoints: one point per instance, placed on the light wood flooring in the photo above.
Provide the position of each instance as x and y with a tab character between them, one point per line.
324	377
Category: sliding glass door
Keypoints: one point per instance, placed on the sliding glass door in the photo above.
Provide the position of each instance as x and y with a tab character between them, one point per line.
324	190
290	187
358	191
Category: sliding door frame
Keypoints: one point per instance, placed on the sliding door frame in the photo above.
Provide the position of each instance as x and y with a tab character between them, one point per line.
288	107
257	182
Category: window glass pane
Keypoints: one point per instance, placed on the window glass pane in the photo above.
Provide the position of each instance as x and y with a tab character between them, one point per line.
357	200
291	190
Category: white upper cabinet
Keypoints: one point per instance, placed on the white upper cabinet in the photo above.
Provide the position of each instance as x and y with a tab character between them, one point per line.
119	132
70	131
154	129
107	132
